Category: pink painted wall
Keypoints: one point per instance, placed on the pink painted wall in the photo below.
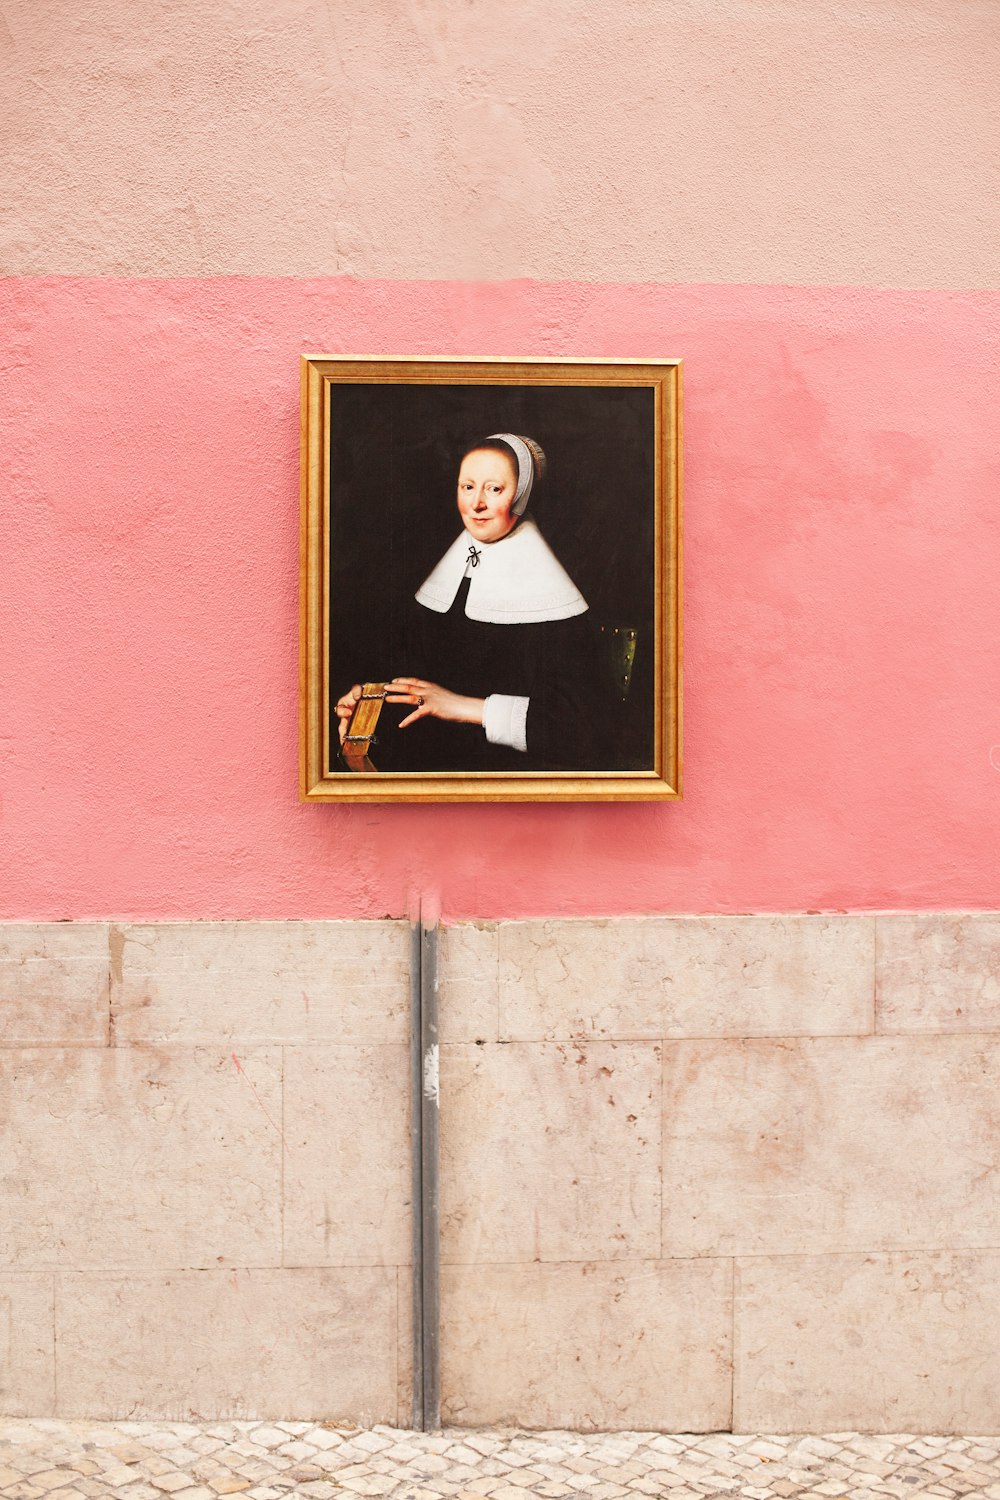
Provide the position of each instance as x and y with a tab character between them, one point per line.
798	197
843	547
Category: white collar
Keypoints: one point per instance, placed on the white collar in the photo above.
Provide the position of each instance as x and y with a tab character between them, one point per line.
516	581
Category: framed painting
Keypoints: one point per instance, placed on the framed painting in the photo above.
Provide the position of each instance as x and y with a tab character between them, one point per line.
490	580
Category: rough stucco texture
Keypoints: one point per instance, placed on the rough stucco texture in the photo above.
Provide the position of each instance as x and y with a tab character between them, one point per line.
843	545
795	141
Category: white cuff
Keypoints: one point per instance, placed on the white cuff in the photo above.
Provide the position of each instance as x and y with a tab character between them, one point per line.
505	720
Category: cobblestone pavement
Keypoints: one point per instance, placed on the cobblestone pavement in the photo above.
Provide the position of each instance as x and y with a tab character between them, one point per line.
52	1460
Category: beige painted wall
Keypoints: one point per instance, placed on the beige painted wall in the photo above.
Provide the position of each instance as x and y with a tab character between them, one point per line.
696	1172
839	142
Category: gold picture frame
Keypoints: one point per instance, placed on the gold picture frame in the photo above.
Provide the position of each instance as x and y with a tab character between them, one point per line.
381	441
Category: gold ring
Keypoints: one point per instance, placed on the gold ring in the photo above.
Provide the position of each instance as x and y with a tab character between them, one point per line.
420	701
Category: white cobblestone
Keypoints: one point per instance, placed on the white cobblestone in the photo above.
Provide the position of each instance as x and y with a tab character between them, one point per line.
58	1460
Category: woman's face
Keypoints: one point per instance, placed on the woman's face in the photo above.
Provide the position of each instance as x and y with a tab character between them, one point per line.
487	483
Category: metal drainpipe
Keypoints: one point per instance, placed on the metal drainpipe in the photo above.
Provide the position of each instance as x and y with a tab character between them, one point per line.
430	1095
424	1066
416	1169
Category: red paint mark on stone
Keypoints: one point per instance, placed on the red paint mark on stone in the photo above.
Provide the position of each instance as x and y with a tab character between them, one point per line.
260	1103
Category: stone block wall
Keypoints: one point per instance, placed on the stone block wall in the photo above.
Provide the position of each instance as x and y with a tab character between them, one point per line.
697	1173
205	1194
717	1172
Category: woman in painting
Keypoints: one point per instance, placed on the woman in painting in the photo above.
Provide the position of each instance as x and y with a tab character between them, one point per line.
505	670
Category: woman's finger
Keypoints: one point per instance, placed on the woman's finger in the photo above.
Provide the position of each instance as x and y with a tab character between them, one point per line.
345	707
418	713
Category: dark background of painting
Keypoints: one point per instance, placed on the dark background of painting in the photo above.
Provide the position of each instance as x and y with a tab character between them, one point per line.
394	457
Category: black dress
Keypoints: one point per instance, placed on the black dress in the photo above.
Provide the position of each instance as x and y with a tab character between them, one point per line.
558	665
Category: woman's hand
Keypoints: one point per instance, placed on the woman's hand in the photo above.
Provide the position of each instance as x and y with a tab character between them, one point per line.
432	701
345	707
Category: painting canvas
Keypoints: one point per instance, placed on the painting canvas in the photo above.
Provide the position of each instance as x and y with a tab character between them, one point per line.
490	593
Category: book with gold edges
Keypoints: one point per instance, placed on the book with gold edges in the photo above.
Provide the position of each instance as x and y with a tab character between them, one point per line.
362	726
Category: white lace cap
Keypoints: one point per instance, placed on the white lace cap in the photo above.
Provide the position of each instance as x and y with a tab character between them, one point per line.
525	468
